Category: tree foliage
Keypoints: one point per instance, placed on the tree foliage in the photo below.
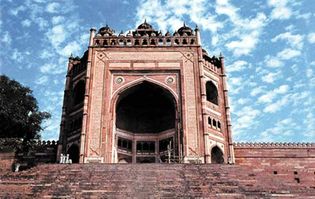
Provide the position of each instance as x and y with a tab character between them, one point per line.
19	113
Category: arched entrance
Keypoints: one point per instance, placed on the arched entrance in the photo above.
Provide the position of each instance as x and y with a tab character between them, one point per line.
145	118
216	156
74	153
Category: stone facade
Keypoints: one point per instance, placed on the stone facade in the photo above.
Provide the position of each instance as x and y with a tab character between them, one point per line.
146	96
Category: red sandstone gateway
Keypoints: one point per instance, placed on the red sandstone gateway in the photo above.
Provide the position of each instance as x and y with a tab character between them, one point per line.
145	97
148	97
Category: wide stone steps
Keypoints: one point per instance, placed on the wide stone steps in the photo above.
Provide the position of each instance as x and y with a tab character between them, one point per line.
157	181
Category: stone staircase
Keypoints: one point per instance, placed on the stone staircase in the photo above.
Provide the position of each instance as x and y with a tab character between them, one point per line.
157	181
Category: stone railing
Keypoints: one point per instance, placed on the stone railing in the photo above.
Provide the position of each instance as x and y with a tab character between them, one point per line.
274	145
144	41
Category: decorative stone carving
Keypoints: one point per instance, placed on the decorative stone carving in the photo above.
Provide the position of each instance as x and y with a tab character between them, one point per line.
119	80
170	80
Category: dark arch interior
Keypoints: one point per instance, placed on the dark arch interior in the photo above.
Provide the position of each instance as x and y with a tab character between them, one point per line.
74	153
216	155
212	92
78	92
145	108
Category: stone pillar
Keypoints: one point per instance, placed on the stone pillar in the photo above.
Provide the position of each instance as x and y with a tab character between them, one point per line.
230	149
92	35
83	140
204	114
198	35
134	151
157	151
203	99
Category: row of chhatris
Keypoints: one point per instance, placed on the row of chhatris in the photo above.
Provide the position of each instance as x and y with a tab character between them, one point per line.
145	29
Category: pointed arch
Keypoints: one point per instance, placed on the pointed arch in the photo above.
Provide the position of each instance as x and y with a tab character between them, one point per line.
139	81
217	155
146	108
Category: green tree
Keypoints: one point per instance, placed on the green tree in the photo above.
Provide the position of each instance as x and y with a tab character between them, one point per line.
19	113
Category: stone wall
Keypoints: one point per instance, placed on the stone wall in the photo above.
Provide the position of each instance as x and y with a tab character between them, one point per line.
11	152
6	161
281	155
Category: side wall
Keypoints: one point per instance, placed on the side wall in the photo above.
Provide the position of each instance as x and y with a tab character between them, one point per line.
41	152
275	154
6	161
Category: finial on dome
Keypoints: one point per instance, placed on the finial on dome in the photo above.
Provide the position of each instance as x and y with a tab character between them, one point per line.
145	20
184	24
221	55
196	28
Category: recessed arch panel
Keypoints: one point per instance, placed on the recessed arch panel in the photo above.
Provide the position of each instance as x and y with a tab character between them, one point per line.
145	108
217	155
212	92
78	92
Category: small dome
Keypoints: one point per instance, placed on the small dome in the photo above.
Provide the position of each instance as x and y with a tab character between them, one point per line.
144	29
185	31
145	26
106	31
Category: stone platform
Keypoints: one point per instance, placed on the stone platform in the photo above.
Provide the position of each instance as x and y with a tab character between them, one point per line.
157	181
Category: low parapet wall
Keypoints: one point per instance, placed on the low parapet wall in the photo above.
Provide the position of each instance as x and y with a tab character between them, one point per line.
283	155
12	150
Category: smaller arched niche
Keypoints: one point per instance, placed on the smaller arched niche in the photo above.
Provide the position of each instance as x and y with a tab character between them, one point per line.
212	93
216	156
78	92
74	153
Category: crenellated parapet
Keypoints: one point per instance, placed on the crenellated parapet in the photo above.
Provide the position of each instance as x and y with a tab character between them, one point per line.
274	145
46	143
13	144
146	36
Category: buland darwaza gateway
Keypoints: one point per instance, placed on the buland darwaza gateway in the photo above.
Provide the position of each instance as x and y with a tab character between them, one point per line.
144	97
148	97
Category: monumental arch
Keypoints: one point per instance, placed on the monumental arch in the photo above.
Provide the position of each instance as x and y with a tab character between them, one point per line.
146	97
